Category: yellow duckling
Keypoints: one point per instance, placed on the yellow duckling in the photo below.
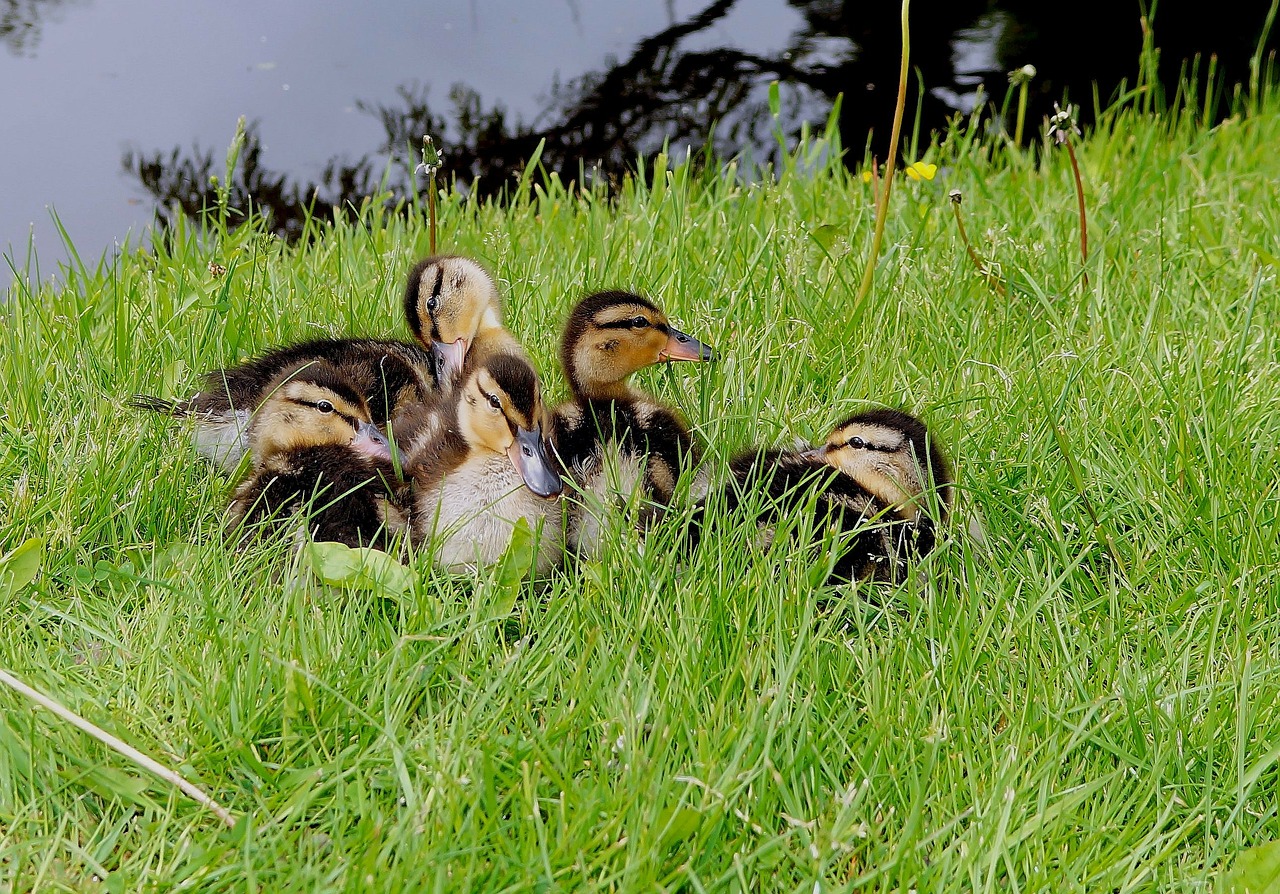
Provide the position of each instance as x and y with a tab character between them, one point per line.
869	479
389	374
484	467
453	307
318	455
610	437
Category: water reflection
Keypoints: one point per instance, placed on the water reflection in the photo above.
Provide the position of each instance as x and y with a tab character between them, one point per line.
672	86
20	22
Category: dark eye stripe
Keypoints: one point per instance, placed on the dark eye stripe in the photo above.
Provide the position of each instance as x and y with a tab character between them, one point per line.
315	405
629	323
435	291
867	445
435	296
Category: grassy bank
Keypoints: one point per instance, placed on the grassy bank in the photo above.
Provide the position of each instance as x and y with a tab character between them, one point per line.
1087	702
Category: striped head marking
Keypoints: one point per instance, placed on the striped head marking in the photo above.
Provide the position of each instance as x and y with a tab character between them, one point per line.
447	300
611	335
500	410
890	454
314	405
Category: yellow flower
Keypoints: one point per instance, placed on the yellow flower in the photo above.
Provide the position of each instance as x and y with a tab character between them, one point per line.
866	176
921	170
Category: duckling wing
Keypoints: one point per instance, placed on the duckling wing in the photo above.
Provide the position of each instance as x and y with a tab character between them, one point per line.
344	498
582	431
381	369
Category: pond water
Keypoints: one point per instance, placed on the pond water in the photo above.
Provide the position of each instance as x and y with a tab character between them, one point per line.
112	110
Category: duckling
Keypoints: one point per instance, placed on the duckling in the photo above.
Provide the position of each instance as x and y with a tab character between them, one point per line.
610	437
386	374
390	374
485	469
317	453
870	477
453	308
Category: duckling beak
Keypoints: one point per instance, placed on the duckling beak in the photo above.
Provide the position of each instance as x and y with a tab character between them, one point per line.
449	359
529	456
685	347
371	442
817	454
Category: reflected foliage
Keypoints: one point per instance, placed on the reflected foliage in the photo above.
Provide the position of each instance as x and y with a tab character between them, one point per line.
183	185
20	22
596	125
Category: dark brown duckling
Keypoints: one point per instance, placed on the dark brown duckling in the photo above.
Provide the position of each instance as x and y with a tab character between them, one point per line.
462	305
869	479
611	438
386	374
317	455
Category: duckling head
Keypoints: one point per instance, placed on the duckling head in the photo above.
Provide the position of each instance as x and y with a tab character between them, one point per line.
890	454
500	409
312	404
447	300
611	335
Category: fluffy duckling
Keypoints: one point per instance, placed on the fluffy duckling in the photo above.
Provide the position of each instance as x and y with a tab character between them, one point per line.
453	308
462	301
610	437
385	374
484	468
870	477
317	453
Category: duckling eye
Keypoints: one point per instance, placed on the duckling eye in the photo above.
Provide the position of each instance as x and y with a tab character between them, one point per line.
494	401
324	406
857	443
639	322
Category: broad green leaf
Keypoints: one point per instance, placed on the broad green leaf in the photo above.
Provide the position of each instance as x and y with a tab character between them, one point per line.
1254	871
175	559
513	568
20	567
358	568
676	824
172	377
825	235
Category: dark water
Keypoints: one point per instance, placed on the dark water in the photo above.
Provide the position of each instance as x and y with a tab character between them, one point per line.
111	111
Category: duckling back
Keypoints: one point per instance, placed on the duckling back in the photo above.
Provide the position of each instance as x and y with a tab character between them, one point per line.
328	491
389	374
868	483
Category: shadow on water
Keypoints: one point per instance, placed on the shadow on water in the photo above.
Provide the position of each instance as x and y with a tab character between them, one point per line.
669	91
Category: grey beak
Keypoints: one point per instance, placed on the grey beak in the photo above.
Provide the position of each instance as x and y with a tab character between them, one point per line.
529	456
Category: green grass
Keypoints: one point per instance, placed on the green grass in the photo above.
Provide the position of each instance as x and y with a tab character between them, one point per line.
1032	714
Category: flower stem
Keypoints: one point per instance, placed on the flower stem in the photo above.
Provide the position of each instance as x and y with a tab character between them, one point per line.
117	745
882	207
1084	231
1022	114
431	208
992	280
